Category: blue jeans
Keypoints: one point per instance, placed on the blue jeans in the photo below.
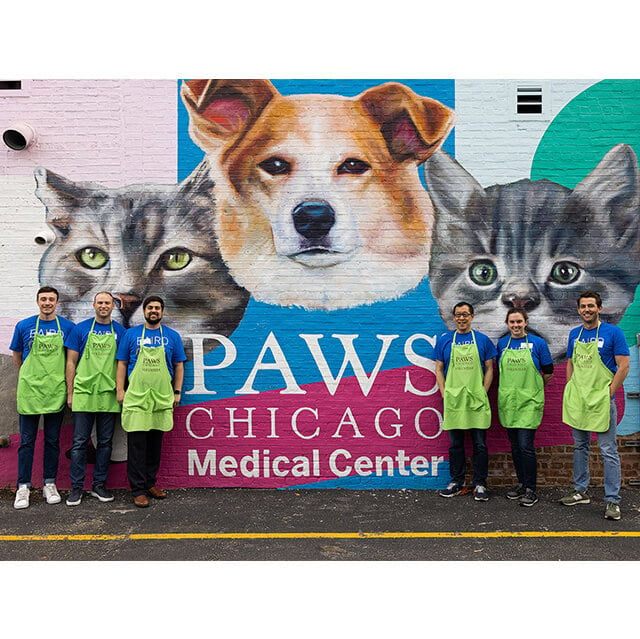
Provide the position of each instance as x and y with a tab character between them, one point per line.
82	426
608	453
28	433
479	458
523	454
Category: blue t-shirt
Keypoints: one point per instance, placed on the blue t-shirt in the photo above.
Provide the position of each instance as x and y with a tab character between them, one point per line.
611	342
539	349
130	344
76	340
25	330
486	349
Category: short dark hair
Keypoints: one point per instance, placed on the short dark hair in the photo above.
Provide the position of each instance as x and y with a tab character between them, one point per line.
596	297
152	298
513	311
47	289
459	304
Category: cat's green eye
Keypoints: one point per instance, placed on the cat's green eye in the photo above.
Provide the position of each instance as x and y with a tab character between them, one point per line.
176	260
565	272
483	272
92	257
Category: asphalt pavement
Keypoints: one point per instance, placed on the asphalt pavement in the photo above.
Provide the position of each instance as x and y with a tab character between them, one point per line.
207	524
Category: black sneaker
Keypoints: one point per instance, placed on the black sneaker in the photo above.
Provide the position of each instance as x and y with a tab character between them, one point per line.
529	498
480	493
102	493
75	497
451	490
516	492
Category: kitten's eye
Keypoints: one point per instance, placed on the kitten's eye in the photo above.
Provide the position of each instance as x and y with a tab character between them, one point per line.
565	272
176	260
353	166
483	273
275	166
92	257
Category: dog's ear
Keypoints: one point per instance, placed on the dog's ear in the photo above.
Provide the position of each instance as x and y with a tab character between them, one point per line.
222	110
412	126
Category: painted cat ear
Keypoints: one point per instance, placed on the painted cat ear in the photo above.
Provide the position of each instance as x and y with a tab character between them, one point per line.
59	196
413	127
221	110
450	187
614	183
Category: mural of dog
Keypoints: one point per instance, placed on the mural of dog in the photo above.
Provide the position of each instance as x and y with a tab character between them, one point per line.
319	202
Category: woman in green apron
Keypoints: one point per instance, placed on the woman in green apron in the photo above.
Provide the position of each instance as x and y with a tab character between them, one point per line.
525	367
464	372
152	356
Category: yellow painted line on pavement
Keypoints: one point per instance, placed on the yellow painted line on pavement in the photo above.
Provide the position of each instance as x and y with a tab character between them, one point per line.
328	535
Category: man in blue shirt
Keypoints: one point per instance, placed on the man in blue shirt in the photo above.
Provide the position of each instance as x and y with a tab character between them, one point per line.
598	363
91	394
38	352
151	357
464	372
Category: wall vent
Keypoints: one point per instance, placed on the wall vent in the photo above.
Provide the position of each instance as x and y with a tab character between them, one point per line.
10	85
529	100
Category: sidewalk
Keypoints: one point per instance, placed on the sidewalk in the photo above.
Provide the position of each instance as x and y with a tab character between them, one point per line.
259	525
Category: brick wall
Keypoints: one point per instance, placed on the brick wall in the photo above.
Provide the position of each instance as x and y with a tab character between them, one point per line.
555	465
328	390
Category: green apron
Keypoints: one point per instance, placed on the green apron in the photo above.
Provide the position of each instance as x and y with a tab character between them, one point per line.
466	404
586	402
42	387
520	389
148	402
94	386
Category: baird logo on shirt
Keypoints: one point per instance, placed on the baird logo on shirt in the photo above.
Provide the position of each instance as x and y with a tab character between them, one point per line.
153	341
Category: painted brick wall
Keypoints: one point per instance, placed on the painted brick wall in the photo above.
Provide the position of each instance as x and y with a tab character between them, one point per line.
299	377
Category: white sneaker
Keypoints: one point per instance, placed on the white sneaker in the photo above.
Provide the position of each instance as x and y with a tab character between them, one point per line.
22	497
50	493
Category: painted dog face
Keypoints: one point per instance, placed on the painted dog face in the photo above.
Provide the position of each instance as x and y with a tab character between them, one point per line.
319	201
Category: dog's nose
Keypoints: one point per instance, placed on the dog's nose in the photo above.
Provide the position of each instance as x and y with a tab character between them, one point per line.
313	220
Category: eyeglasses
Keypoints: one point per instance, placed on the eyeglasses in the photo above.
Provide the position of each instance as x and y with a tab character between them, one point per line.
461	315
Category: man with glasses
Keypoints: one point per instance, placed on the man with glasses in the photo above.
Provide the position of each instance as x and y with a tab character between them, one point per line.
464	372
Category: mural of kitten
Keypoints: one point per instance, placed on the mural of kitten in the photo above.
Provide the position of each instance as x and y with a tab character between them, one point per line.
135	241
535	245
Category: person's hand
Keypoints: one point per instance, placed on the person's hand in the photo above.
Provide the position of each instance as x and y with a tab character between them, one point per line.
120	396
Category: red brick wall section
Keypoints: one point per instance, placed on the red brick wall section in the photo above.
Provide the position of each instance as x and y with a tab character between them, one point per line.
555	465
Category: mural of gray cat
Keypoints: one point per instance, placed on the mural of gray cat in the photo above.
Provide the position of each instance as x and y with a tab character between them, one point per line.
135	241
535	245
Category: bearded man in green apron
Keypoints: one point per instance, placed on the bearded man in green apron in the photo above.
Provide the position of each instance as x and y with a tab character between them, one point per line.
151	357
91	395
38	352
464	372
597	365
